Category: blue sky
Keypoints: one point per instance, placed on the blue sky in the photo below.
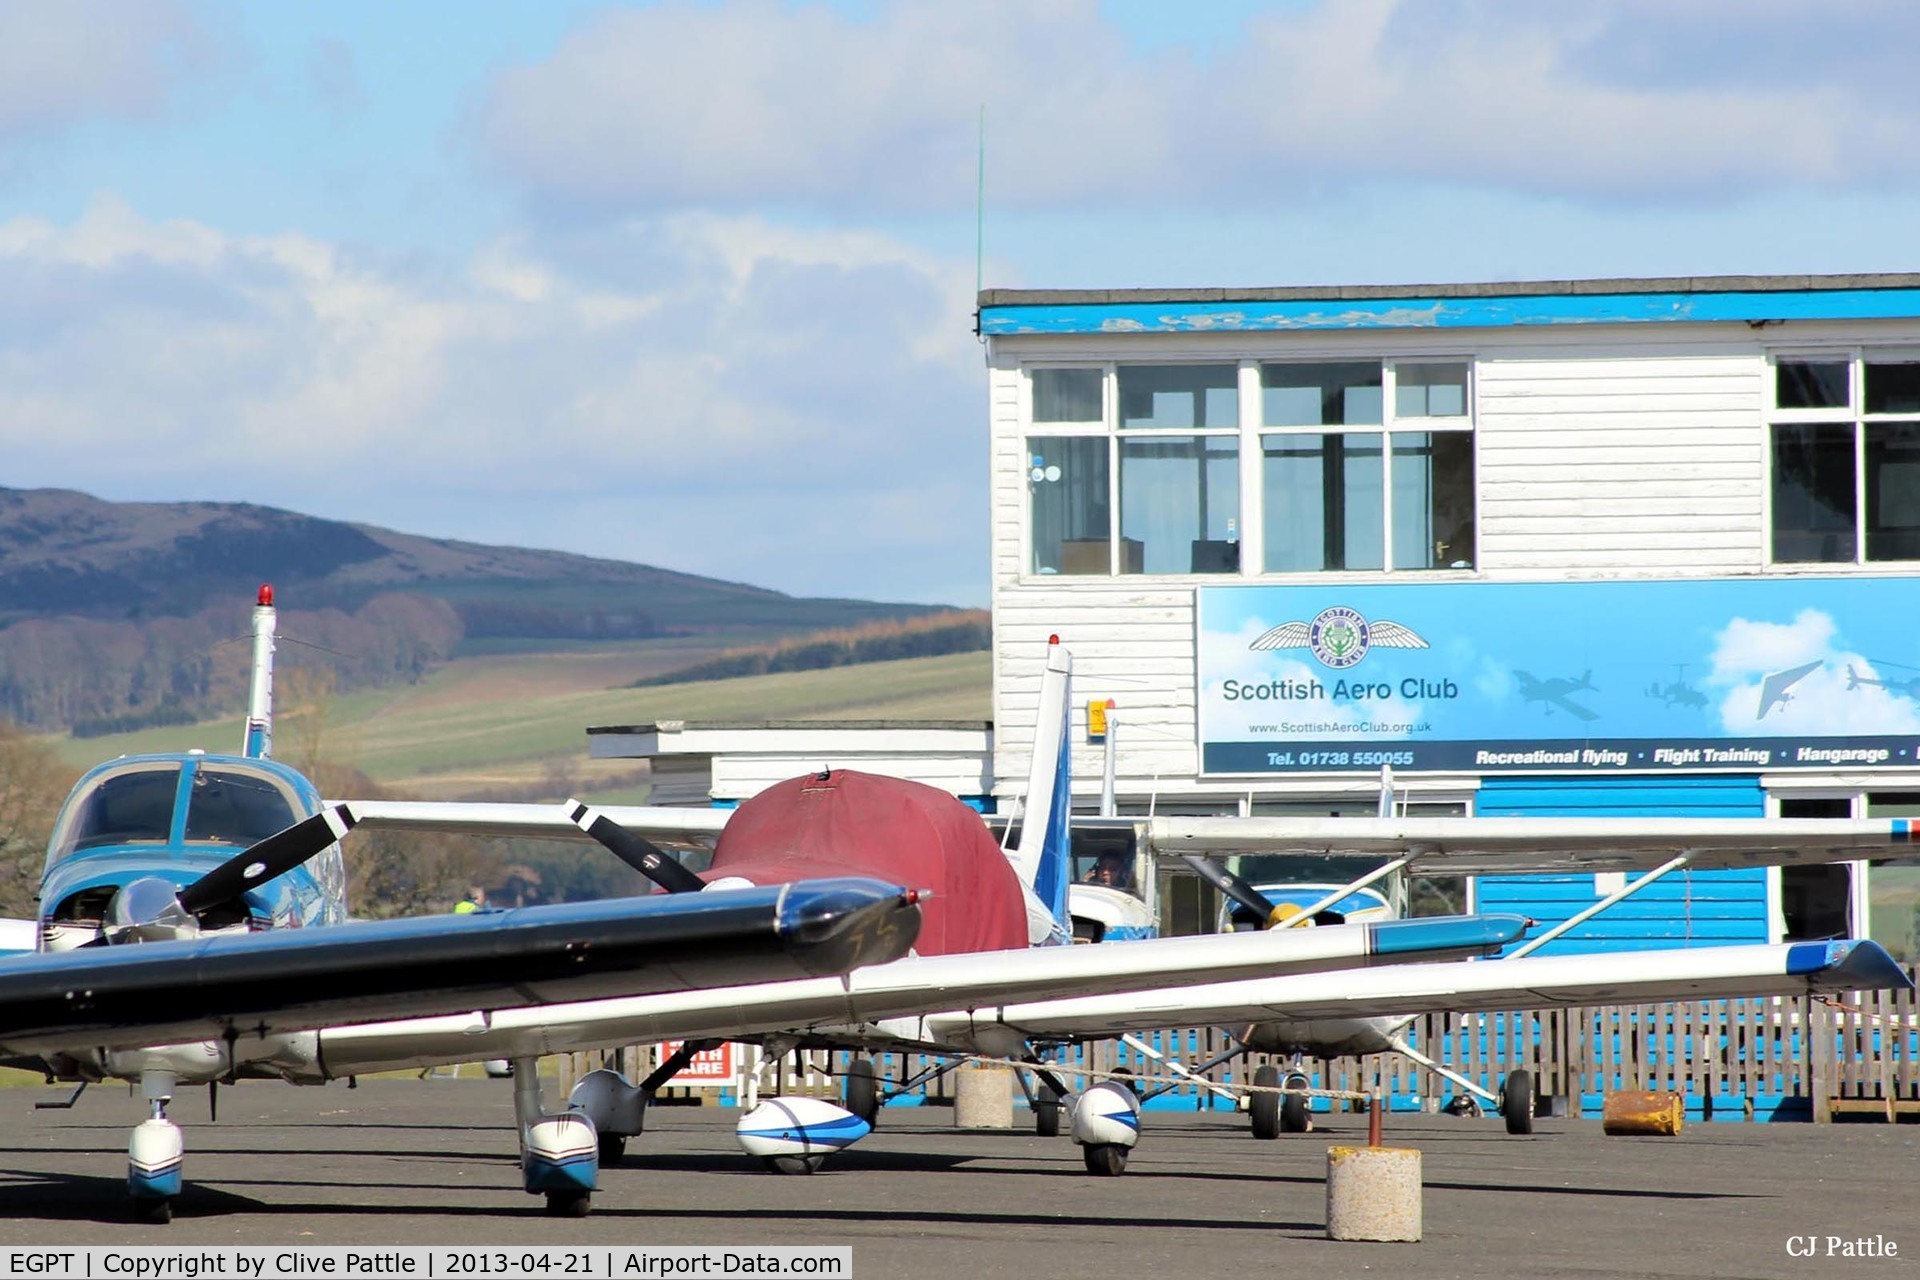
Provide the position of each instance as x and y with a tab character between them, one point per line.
690	283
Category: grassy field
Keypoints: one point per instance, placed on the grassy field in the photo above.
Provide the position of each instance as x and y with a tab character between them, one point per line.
513	721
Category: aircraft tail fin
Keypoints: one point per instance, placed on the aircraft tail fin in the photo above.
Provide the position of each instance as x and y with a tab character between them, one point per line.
1042	857
1853	679
259	738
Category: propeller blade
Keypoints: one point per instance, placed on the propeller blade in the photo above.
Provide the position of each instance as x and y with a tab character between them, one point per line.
278	854
1234	887
644	856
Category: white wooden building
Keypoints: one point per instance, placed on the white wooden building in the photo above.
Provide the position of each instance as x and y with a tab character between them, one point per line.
1629	546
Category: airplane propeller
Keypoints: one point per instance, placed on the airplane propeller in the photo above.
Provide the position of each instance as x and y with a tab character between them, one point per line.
151	909
644	856
1271	914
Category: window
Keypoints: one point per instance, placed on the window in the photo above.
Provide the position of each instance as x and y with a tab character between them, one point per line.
133	805
227	806
1845	444
1342	490
1068	503
1359	465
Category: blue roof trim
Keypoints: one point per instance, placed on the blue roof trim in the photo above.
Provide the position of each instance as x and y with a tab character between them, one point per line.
1449	313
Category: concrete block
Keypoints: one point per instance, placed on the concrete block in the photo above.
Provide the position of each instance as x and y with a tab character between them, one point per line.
983	1098
1373	1193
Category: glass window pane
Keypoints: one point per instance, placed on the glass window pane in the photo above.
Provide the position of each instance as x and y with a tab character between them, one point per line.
1892	387
1813	494
227	807
1893	491
1430	390
1179	396
1321	395
1810	384
1893	907
1323	499
1067	503
130	807
1180	504
1066	395
1432	500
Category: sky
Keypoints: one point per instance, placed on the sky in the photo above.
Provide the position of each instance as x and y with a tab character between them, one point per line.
691	283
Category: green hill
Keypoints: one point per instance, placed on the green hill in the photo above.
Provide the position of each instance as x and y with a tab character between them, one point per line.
514	724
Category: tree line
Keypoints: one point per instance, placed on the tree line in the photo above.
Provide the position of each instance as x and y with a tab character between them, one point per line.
924	637
96	676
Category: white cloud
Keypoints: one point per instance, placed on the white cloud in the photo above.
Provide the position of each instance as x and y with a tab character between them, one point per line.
1827	701
722	105
796	411
76	60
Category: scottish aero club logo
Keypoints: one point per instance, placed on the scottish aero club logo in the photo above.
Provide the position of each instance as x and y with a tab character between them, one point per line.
1339	637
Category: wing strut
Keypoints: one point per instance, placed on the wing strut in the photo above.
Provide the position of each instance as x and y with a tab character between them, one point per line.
1619	895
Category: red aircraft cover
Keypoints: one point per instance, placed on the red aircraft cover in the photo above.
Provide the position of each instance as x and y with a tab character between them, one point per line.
845	823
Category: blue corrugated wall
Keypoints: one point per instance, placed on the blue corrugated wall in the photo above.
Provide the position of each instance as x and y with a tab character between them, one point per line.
1686	909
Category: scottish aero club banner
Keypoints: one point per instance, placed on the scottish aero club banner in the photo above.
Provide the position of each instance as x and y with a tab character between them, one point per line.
1740	674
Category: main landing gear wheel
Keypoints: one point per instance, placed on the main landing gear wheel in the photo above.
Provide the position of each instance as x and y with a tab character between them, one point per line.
792	1164
1105	1159
613	1149
156	1212
1516	1102
569	1204
1046	1112
1293	1107
1264	1108
861	1090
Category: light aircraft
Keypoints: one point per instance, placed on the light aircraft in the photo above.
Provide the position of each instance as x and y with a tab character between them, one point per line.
1773	689
193	930
1555	690
794	1135
1304	1020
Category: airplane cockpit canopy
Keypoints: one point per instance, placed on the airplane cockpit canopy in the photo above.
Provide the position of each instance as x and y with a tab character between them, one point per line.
229	806
128	806
227	803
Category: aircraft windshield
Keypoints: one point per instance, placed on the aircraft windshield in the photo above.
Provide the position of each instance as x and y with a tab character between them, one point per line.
135	807
229	807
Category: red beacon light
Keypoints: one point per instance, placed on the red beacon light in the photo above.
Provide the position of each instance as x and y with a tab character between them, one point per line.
1053	639
265	598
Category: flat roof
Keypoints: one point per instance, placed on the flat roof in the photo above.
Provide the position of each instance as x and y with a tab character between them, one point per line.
729	726
1752	299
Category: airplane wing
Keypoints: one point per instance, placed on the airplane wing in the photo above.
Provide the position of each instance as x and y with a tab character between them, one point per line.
1534	982
905	988
19	935
137	994
684	827
1574	709
1513	846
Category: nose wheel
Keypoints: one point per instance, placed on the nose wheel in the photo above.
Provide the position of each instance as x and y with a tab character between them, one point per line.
153	1211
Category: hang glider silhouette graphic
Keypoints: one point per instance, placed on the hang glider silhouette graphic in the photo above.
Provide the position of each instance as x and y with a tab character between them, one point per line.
1773	689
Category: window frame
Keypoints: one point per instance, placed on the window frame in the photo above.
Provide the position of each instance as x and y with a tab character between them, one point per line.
1249	432
1854	416
1390	423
